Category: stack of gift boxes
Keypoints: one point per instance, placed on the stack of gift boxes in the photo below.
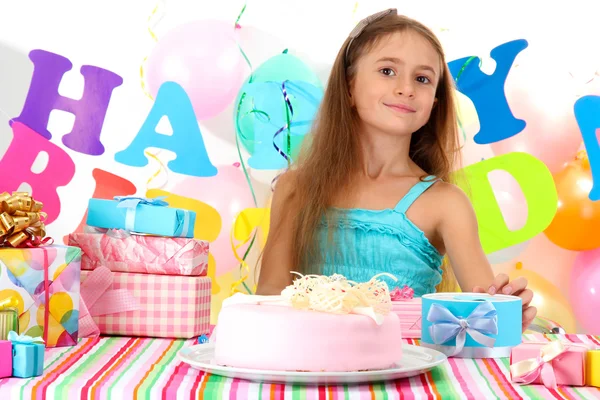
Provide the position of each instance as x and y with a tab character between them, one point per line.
142	274
136	271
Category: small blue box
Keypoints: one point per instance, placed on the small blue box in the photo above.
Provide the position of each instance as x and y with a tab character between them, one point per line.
482	319
28	359
144	218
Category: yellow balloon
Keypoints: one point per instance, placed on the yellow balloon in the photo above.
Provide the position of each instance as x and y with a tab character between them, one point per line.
250	219
211	273
11	299
547	298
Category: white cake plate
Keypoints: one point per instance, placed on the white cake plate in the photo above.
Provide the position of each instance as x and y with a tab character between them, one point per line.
415	361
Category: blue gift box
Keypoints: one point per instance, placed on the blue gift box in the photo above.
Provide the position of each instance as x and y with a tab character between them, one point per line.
28	359
141	215
471	325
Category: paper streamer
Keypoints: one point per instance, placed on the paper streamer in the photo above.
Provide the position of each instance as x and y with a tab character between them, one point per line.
157	17
244	230
244	267
162	167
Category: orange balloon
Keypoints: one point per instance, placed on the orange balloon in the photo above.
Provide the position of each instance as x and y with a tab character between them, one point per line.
577	219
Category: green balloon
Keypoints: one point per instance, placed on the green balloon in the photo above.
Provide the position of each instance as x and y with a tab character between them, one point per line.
260	102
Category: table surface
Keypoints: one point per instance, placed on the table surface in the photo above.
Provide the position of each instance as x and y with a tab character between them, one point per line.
128	368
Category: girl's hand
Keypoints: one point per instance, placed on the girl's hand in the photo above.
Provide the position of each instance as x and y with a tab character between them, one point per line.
518	287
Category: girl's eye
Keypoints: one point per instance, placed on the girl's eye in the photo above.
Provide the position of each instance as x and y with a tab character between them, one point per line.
387	71
423	79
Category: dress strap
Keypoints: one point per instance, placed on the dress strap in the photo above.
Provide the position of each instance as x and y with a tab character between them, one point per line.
414	193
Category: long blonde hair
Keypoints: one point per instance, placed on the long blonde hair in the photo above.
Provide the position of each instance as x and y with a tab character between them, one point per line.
329	158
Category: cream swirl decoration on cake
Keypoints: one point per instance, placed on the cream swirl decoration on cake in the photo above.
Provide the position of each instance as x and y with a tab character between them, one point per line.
332	294
337	295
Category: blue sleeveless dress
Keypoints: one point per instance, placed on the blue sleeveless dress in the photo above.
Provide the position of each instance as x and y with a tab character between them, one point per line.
369	242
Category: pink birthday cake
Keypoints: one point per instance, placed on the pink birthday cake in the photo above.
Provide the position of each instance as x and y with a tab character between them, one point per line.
318	323
408	309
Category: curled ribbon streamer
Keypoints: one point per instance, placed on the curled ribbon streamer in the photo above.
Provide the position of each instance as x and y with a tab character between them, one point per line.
527	371
152	26
21	221
23	339
162	167
237	25
289	113
243	264
161	5
244	267
446	326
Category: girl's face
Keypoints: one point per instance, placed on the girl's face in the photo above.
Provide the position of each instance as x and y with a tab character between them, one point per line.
395	83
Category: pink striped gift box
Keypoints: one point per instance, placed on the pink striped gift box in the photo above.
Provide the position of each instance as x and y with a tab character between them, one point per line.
163	306
409	312
141	253
408	309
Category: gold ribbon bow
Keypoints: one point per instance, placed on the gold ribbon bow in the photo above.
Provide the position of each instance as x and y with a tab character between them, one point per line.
21	219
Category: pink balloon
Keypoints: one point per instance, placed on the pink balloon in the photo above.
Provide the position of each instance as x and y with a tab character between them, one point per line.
203	57
544	98
585	290
228	192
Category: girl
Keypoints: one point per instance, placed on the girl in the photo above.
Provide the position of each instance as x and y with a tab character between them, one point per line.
371	193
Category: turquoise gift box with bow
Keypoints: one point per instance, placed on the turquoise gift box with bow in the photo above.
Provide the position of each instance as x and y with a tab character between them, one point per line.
28	355
141	215
471	325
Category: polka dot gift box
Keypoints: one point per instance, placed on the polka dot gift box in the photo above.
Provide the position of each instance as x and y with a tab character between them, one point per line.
42	284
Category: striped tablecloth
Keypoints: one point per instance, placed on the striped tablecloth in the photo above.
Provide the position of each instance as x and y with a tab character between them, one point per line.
128	368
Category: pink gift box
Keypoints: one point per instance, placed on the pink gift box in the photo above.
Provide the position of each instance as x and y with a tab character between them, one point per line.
408	309
568	367
158	305
6	358
409	312
142	254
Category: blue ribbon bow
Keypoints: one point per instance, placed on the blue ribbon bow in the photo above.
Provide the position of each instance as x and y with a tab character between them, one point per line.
131	203
24	339
446	326
134	201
